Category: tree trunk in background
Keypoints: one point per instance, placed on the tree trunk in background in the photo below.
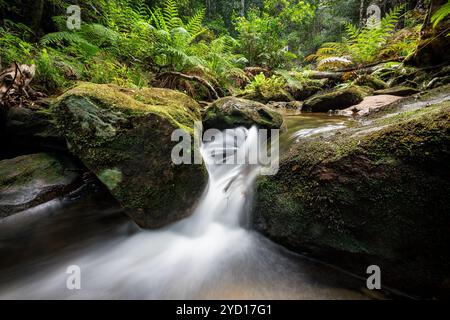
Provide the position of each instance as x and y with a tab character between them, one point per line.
242	8
434	47
36	11
362	13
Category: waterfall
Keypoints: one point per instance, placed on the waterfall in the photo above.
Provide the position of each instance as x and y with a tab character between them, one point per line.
210	255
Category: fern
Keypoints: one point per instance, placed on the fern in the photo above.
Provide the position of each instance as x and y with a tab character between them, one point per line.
361	45
440	15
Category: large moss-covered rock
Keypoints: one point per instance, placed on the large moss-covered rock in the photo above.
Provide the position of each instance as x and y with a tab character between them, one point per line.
124	137
335	100
231	112
373	194
30	180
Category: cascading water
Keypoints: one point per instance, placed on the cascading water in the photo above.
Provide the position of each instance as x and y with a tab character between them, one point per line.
210	255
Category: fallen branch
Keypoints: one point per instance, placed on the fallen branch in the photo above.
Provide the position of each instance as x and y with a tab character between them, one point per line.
198	79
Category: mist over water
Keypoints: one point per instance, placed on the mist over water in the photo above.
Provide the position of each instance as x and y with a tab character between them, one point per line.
211	255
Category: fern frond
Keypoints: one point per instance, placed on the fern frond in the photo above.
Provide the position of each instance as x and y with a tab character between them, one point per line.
440	14
194	25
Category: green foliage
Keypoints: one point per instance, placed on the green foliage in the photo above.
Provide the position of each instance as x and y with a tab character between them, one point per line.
13	47
270	86
264	35
366	44
440	15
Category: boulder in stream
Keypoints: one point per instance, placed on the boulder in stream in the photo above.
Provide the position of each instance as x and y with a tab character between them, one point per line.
30	180
335	100
376	193
231	112
124	137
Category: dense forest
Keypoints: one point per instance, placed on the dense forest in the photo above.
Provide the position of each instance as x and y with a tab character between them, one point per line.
93	93
140	43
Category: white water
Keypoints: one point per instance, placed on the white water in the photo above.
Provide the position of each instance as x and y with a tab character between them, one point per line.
210	255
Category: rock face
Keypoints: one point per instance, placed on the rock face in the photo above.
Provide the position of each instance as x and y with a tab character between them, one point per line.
124	137
335	100
397	91
231	112
30	180
373	194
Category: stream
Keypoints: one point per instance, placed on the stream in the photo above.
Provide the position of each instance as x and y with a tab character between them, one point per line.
213	254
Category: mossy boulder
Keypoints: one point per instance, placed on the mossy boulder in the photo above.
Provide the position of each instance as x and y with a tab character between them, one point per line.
371	194
335	100
371	82
30	180
30	131
231	112
124	137
301	94
400	91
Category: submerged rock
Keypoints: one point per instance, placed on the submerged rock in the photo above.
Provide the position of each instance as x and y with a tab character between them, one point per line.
124	137
30	180
373	194
400	91
231	112
335	100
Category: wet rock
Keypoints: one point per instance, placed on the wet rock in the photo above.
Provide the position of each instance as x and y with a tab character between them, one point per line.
30	180
335	100
124	137
231	112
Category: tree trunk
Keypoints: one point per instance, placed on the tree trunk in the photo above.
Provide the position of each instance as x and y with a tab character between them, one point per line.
434	46
362	14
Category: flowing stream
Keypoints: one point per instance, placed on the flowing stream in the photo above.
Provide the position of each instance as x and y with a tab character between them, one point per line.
211	255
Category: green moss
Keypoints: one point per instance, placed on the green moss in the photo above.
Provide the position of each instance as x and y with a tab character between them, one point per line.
111	178
178	108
